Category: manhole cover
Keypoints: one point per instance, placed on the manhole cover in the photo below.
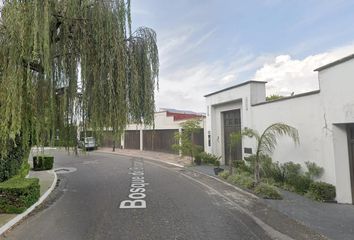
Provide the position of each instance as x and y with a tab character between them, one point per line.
64	170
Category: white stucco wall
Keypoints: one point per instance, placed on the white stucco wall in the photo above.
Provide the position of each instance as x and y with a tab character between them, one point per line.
235	98
305	114
337	98
320	118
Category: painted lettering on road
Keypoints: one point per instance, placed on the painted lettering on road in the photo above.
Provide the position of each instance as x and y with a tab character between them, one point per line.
137	187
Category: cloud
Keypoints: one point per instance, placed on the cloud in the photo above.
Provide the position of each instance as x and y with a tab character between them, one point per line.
185	87
286	75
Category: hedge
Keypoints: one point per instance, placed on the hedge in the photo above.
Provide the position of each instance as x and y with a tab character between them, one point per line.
18	194
43	162
322	191
11	162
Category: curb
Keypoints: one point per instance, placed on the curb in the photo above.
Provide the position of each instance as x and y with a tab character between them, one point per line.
21	216
228	184
192	170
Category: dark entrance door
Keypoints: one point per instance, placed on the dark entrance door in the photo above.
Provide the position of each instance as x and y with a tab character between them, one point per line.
232	123
351	156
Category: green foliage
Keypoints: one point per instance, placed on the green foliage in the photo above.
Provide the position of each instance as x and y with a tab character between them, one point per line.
267	141
313	171
11	162
241	166
241	179
17	194
42	162
185	138
321	191
267	191
273	97
198	159
25	168
208	158
287	175
224	174
45	42
217	163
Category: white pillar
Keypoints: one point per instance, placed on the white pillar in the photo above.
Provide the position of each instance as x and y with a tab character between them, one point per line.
141	140
122	140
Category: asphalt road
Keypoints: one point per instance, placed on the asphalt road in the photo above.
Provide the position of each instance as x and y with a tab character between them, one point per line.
179	205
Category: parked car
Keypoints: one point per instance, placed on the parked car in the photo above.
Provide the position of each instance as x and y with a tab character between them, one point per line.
88	143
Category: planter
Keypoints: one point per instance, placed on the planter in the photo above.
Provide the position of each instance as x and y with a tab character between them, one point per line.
218	170
41	163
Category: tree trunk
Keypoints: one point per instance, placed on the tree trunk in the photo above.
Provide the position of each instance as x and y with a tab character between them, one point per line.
256	169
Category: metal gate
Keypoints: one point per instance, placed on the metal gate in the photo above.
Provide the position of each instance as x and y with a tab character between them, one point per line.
232	123
132	139
159	140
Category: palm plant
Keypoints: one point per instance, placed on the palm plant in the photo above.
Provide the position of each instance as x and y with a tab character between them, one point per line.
267	141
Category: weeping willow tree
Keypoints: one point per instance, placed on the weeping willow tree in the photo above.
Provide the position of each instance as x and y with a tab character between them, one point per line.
69	61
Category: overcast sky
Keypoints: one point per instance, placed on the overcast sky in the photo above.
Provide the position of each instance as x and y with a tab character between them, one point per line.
207	45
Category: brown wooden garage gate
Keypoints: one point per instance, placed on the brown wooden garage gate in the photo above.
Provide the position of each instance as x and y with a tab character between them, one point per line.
132	139
159	140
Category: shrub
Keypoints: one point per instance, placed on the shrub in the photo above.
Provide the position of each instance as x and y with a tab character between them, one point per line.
43	162
198	159
267	191
250	160
11	162
217	163
272	170
322	191
17	194
300	184
224	174
23	172
313	171
291	171
208	158
241	166
242	180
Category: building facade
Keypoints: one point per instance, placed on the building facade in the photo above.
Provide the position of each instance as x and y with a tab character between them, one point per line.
324	119
160	136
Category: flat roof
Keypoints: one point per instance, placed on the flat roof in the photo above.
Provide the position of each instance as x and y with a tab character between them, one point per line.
288	97
339	61
235	86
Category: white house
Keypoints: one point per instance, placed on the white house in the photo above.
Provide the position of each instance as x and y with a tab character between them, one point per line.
160	136
324	119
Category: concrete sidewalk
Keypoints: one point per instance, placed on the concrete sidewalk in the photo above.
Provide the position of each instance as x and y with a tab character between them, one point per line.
46	179
332	220
163	157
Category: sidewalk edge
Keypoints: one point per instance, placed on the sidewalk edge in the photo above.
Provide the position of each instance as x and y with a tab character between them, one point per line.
21	216
226	183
